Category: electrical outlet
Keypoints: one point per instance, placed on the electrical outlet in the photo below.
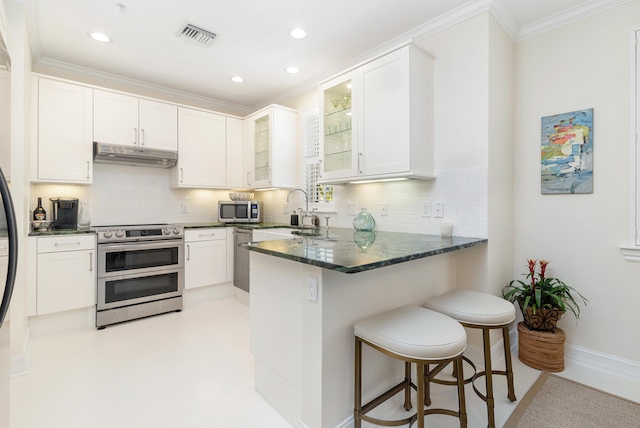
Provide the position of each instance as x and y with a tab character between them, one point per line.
425	209
439	210
185	208
352	208
286	208
384	209
312	289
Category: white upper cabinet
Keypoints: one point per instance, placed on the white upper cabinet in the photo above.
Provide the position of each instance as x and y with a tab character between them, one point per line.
64	149
234	153
127	120
338	146
386	131
271	156
202	140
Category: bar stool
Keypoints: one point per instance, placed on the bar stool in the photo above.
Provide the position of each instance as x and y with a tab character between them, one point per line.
414	335
483	311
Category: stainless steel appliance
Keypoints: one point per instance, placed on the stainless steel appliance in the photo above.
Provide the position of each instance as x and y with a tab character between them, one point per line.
241	259
65	213
140	271
134	156
239	211
8	261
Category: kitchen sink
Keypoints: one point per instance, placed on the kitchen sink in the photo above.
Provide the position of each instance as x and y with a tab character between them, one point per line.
306	232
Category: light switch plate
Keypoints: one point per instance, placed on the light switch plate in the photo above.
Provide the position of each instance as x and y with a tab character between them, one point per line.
439	210
312	289
425	209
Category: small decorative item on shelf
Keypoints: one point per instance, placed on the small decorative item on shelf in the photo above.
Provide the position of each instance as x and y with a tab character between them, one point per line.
543	300
364	239
364	221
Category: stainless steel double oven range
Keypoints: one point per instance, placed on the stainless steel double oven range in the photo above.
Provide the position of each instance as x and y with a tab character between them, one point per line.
140	272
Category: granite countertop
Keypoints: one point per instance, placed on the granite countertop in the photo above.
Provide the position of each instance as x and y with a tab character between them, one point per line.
58	232
249	226
349	251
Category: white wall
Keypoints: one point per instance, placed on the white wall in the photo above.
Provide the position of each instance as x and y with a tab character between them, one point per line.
581	65
18	44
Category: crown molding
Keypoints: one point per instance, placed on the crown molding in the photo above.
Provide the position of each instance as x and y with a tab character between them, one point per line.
570	15
44	65
505	17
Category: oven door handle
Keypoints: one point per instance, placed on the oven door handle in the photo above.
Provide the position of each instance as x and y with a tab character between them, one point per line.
128	246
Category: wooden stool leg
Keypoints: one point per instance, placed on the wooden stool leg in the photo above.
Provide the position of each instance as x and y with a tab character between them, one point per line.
462	408
508	365
357	409
421	394
486	339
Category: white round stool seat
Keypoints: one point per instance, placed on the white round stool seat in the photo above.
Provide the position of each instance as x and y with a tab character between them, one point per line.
414	332
473	307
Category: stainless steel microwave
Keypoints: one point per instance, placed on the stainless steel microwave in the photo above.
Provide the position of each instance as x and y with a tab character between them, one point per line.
239	211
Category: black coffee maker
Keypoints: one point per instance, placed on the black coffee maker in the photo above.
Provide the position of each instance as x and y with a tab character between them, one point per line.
65	213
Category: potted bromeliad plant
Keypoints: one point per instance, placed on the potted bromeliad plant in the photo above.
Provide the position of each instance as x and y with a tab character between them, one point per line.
542	299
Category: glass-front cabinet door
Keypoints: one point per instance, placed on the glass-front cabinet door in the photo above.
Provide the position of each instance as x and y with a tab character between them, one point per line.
338	148
262	149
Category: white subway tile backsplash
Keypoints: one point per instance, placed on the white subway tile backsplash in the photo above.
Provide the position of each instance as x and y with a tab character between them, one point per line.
130	195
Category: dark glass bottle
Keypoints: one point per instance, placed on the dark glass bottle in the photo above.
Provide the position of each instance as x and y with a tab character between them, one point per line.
39	213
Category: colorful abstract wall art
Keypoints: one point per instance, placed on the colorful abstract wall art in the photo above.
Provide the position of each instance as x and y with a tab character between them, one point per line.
567	153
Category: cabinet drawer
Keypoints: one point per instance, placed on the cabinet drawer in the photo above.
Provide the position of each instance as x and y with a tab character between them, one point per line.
66	243
196	235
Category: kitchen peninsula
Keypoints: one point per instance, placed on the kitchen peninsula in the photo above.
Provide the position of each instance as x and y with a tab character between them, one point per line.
308	291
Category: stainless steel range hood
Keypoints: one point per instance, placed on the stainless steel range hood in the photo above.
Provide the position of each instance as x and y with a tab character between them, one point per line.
134	156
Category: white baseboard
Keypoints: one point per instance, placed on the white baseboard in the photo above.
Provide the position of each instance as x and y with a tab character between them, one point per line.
19	365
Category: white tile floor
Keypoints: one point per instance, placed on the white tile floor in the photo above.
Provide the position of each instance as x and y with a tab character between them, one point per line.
189	369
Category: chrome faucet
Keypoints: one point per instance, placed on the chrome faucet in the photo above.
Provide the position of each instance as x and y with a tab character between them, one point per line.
306	200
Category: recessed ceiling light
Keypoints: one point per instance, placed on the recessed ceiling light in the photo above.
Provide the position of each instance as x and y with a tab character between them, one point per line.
298	33
292	69
237	79
99	37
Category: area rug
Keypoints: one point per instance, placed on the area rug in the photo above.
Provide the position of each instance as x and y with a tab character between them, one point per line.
555	402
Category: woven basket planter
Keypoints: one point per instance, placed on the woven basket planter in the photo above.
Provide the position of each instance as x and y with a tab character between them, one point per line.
542	350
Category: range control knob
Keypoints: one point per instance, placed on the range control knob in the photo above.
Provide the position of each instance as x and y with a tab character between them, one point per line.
107	234
166	232
120	234
176	231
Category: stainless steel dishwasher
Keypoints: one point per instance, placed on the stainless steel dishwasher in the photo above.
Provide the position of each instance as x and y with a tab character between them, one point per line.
241	261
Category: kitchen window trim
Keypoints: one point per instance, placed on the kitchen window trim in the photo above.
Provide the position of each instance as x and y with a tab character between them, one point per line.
317	207
631	252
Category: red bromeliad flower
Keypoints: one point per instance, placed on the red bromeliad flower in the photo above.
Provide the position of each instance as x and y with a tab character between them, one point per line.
543	268
532	271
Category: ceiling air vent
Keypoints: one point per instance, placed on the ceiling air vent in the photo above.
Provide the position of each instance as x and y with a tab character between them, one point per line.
198	35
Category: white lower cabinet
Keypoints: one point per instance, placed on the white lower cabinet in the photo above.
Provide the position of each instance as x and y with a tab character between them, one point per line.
66	273
205	257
